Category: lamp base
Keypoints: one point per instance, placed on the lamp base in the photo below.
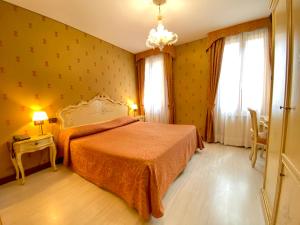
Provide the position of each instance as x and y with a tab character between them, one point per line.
40	123
42	132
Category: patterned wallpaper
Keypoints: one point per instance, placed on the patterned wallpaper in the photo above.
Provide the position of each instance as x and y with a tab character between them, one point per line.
191	81
47	65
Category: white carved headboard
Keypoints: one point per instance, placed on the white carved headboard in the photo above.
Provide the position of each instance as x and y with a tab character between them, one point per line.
98	109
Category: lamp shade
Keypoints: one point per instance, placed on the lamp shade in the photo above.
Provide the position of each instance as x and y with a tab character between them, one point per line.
39	116
134	106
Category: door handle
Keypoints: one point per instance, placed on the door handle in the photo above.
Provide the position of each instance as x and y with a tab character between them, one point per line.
287	108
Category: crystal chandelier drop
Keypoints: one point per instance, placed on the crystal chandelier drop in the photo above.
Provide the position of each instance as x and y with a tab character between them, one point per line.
159	37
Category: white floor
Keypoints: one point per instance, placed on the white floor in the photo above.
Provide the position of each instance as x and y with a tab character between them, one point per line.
218	187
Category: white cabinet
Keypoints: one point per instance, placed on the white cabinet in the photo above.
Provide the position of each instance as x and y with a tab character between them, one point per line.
281	191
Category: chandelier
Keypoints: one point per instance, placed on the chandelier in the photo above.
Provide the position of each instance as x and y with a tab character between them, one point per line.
159	37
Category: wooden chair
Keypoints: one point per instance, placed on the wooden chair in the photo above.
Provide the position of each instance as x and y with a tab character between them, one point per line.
258	138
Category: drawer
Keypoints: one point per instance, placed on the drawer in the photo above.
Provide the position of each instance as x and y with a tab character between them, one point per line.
33	145
38	143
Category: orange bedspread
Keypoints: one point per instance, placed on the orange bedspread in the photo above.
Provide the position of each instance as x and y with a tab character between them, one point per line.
135	160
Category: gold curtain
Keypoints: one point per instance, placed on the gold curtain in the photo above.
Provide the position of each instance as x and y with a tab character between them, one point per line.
169	49
236	29
141	79
215	47
170	86
215	61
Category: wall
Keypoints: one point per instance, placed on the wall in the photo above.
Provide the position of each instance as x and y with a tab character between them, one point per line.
47	65
191	81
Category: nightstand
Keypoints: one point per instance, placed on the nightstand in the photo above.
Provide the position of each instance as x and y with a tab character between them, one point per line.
140	117
32	145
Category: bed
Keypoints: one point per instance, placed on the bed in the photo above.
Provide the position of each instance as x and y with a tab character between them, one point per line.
135	160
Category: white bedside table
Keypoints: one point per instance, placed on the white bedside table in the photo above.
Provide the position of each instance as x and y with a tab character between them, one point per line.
32	145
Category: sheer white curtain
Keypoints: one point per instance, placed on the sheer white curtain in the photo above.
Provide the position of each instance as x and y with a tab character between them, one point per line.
155	90
244	82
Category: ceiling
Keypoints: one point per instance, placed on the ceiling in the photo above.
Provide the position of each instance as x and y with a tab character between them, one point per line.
126	23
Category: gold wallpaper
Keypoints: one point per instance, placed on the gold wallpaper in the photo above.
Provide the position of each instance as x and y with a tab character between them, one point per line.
47	65
191	81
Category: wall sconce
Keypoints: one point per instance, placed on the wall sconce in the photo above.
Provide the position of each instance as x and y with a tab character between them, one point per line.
52	120
39	118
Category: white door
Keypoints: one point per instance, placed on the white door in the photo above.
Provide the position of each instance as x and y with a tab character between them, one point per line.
280	28
289	203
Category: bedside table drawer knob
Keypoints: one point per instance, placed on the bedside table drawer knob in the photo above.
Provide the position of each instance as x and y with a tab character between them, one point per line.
36	143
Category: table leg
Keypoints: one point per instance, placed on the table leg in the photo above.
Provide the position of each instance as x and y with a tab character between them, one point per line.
53	157
14	161
20	165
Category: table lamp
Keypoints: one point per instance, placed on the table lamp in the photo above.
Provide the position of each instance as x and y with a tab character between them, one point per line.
134	108
39	118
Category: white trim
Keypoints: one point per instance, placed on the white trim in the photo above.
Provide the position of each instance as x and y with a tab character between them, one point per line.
290	166
267	214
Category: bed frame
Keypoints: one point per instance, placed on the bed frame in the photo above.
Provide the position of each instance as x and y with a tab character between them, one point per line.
98	109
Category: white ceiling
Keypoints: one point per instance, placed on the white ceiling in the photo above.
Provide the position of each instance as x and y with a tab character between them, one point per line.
126	23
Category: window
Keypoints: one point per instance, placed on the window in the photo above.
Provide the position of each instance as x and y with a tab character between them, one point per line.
244	83
155	90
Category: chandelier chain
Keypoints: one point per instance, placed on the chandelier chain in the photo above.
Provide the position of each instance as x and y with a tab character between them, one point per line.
159	13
